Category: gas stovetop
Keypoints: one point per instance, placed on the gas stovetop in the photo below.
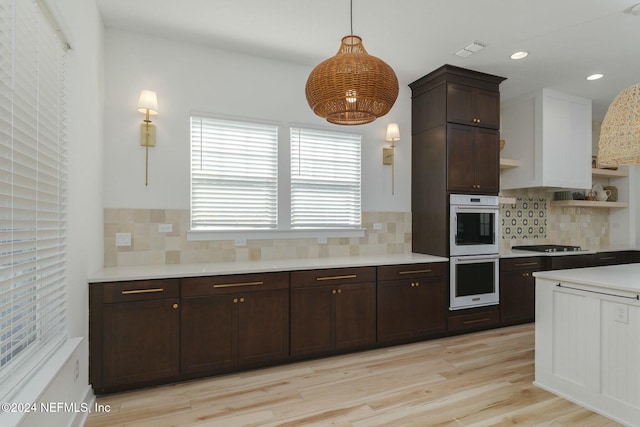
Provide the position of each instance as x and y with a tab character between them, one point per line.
548	248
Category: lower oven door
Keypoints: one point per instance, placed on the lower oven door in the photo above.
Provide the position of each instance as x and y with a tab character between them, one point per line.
474	281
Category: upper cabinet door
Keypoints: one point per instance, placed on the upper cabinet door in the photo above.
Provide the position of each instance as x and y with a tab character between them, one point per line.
473	106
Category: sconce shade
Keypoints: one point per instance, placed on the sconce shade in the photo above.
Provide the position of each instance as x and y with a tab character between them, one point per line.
620	131
352	87
148	101
393	132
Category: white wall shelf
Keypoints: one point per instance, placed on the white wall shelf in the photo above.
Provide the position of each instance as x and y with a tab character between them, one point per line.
588	204
509	163
609	173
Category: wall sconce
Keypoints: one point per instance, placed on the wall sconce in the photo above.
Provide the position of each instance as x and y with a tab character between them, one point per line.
148	104
388	153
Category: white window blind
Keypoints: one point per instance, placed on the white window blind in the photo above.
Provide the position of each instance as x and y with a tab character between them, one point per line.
32	192
234	175
325	179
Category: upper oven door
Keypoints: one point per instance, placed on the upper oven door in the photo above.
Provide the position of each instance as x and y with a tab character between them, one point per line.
473	230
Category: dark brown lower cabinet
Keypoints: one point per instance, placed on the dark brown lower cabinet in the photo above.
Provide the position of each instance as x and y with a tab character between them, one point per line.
613	258
231	322
562	262
332	310
134	334
412	301
518	289
473	319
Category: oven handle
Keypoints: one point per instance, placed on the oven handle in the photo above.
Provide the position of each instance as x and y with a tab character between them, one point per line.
474	259
478	209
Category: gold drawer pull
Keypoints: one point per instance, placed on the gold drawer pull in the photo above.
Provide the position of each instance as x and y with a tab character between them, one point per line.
142	291
414	271
349	276
231	285
522	264
484	319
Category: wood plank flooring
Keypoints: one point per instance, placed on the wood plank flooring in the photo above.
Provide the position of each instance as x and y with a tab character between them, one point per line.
481	379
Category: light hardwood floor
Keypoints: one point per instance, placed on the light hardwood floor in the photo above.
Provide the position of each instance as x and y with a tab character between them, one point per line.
480	379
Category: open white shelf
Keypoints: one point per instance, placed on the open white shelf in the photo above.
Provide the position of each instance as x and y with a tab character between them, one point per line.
588	204
509	163
609	173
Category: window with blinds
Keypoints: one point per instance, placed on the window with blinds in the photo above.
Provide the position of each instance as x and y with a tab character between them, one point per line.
234	175
32	192
325	179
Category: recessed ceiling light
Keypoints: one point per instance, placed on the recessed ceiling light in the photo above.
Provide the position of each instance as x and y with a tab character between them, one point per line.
596	76
520	55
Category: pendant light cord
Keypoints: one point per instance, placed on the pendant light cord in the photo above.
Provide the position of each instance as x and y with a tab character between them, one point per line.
351	14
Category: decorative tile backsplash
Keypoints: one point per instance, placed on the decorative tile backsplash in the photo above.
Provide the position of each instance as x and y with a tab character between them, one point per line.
150	246
526	219
532	220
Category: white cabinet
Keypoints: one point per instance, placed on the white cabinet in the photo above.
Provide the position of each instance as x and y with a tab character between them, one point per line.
588	346
549	133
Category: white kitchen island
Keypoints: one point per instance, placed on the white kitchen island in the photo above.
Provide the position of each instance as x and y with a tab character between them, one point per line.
588	338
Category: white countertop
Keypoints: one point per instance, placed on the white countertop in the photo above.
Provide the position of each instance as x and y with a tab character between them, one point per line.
167	271
624	277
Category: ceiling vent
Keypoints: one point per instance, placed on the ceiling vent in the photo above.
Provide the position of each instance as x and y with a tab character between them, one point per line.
470	49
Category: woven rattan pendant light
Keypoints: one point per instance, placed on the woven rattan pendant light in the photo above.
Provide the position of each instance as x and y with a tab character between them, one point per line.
620	131
352	87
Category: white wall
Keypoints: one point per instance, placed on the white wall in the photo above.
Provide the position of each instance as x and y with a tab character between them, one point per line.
190	77
83	27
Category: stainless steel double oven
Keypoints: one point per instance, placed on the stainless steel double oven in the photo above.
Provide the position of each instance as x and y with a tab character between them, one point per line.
473	250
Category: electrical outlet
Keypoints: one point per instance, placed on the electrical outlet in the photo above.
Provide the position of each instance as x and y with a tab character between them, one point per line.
123	239
165	228
377	226
621	313
241	242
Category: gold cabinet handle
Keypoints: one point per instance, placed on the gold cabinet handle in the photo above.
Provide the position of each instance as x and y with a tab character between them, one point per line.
333	291
523	264
231	285
235	300
142	291
417	284
469	322
604	258
414	271
348	276
339	291
241	299
175	306
413	284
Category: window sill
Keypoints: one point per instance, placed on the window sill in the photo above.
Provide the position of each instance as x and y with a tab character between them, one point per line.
241	236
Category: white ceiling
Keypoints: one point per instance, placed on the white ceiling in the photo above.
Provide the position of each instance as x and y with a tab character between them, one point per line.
567	39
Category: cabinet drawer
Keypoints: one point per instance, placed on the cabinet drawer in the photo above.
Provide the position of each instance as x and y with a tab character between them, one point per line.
411	271
532	263
612	258
333	276
473	321
140	290
214	285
